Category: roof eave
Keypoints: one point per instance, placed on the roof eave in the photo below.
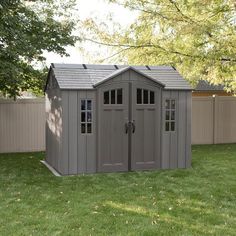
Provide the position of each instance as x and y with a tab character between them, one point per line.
45	87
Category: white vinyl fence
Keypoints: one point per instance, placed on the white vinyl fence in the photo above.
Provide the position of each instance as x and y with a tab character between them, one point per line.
22	123
213	120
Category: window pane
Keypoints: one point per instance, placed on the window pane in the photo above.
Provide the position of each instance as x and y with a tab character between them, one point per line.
83	128
167	115
172	126
113	96
82	116
139	96
167	128
119	96
172	115
106	97
89	128
152	97
89	105
172	104
167	104
89	116
145	96
82	104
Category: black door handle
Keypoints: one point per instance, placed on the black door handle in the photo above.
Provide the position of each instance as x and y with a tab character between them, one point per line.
130	125
133	126
126	127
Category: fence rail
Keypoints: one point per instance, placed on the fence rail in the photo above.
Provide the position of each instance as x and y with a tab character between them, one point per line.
22	123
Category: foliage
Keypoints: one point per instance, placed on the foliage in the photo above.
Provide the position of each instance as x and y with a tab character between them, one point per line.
197	37
196	201
27	29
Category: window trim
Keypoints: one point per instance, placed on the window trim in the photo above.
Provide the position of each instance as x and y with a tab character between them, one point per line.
169	110
86	111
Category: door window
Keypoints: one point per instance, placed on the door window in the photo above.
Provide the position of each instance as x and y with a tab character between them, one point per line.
114	96
145	96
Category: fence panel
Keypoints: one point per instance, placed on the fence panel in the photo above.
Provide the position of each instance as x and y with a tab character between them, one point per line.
22	125
225	120
202	120
213	120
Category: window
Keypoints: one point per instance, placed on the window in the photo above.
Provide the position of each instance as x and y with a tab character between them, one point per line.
145	96
170	108
106	99
114	96
86	116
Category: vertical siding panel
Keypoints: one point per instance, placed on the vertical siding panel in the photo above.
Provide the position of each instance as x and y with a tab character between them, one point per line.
181	129
165	159
188	129
53	128
64	160
73	129
82	144
174	134
158	127
48	137
91	139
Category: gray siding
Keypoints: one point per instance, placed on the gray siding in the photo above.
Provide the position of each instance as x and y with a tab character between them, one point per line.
79	150
150	147
176	145
53	127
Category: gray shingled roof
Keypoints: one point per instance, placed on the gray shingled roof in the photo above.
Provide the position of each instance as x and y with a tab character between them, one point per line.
206	86
80	76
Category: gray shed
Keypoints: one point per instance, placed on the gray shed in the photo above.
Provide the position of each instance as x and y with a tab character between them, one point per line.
106	118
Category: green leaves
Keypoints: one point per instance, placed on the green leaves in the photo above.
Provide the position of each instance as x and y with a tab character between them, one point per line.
197	37
27	28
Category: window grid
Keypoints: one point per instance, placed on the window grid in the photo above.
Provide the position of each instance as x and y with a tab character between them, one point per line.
86	116
114	96
170	114
145	96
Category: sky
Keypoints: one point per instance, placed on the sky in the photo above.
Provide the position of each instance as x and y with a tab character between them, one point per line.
86	9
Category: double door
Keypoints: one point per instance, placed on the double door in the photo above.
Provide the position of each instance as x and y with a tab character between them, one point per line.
129	116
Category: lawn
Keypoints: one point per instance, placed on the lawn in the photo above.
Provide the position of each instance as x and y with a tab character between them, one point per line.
196	201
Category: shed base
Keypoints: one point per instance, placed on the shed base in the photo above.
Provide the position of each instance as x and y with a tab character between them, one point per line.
50	168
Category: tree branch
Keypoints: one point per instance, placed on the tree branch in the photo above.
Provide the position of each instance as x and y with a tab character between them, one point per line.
130	46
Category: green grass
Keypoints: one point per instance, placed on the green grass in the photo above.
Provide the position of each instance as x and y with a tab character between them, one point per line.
196	201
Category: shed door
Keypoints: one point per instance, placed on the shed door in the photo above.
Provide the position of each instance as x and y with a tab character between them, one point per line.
112	136
146	119
129	127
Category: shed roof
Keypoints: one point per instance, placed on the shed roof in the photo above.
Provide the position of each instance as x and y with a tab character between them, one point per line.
85	76
206	86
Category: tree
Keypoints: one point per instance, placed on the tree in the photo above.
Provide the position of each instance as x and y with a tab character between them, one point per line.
27	28
197	37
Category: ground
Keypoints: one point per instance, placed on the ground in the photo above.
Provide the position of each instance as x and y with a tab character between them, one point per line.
197	201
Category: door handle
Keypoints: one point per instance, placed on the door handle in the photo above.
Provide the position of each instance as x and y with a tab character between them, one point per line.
133	126
126	127
130	125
